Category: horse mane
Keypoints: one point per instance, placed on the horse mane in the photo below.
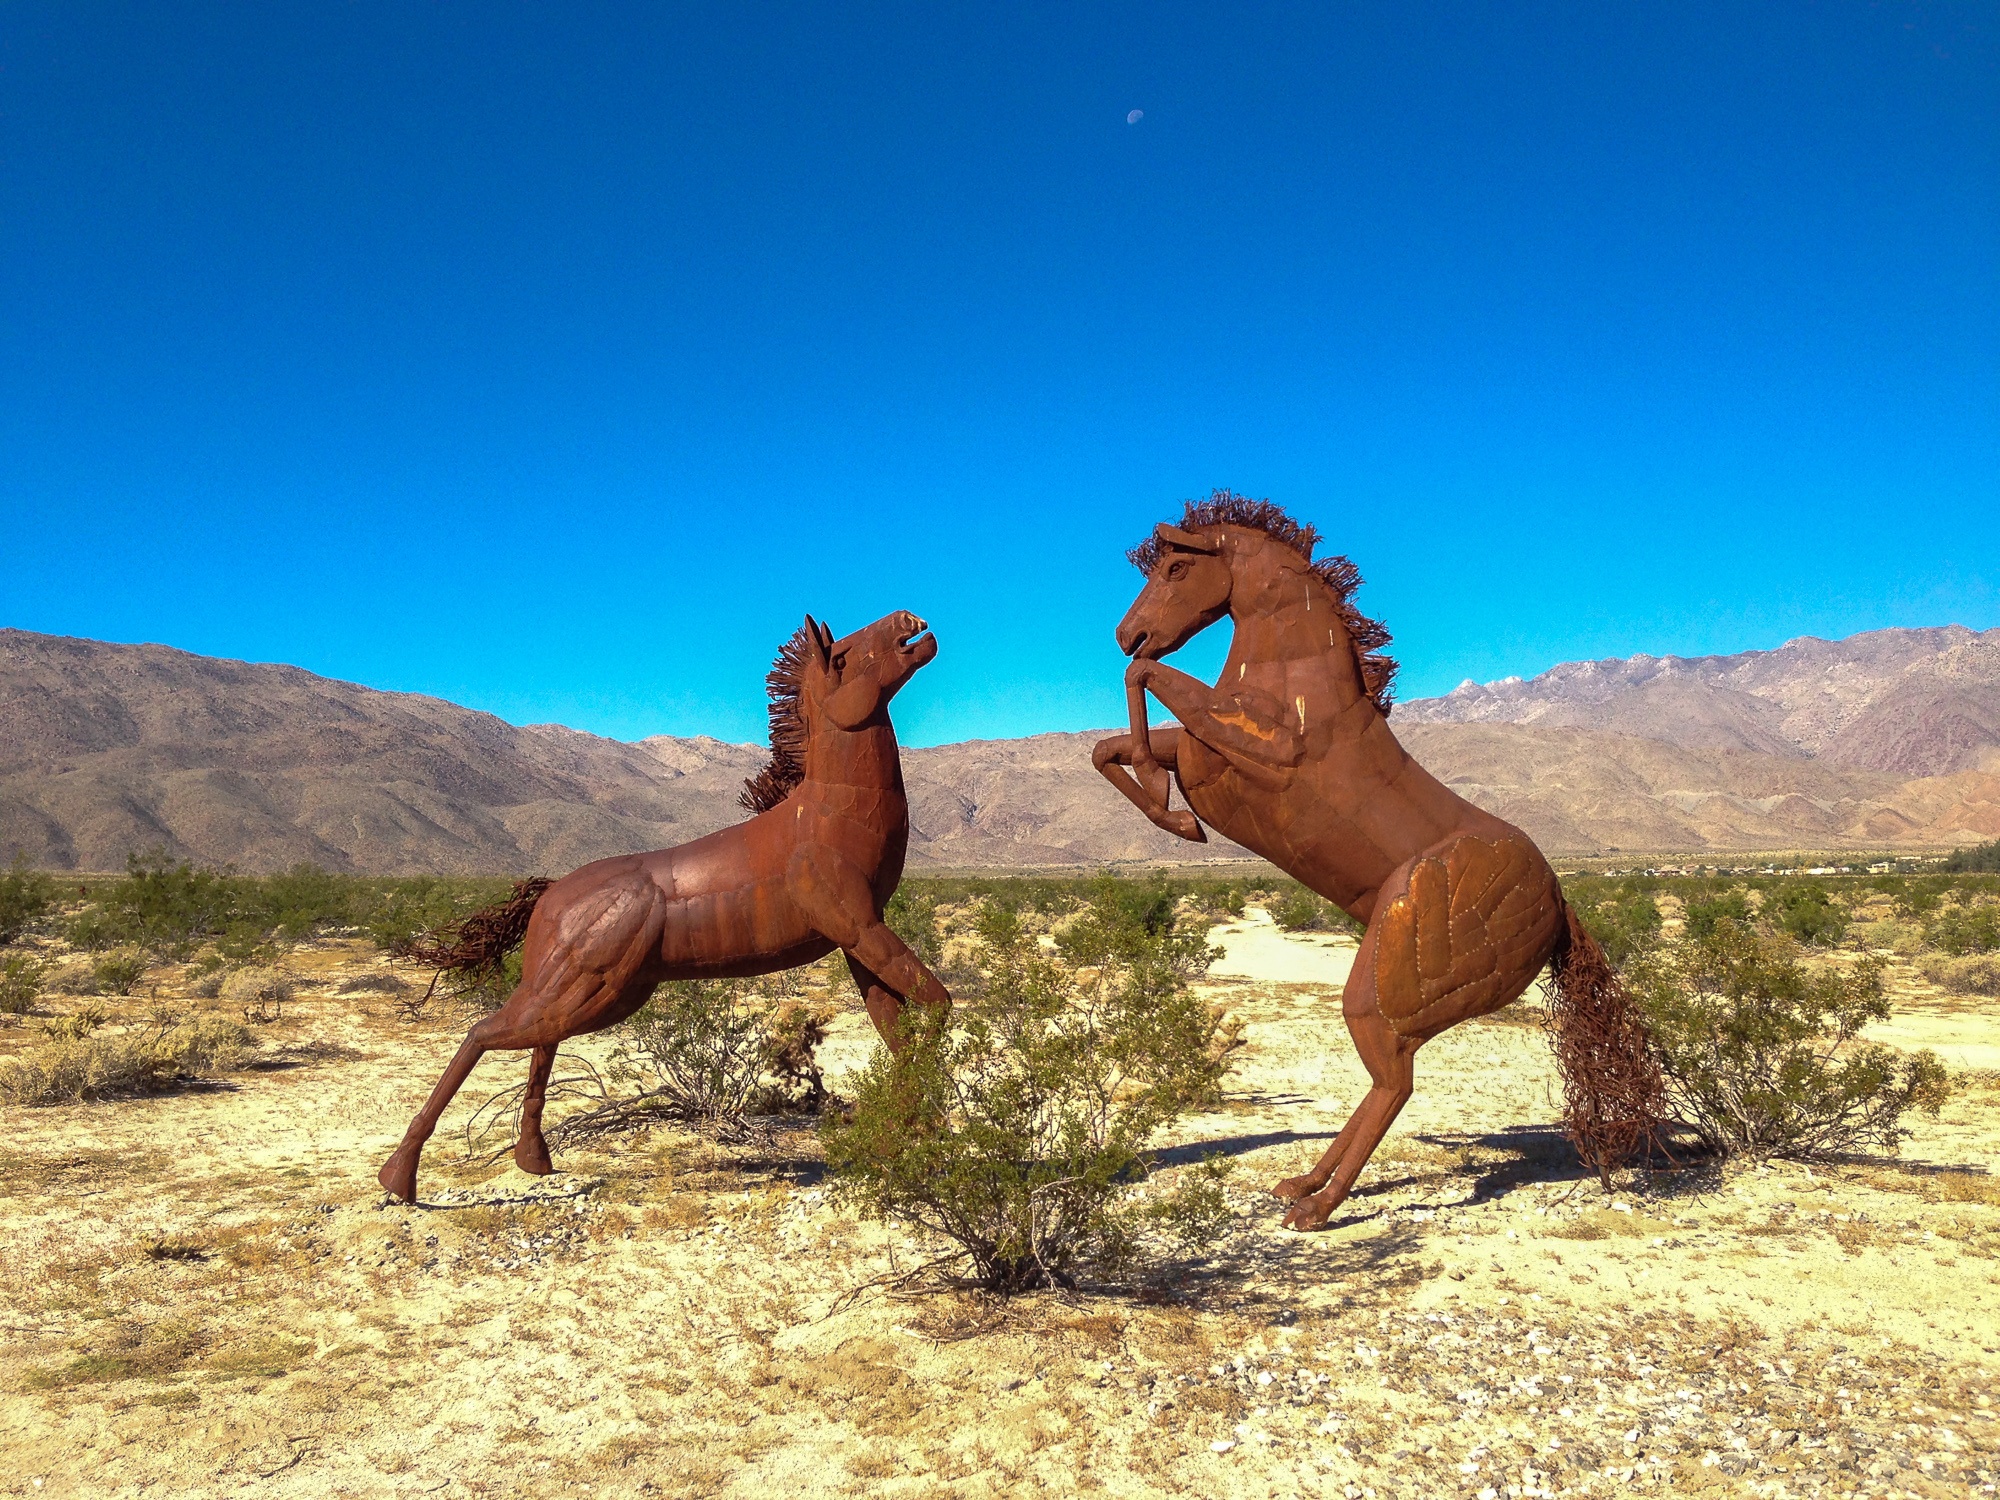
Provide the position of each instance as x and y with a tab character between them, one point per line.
787	765
1341	577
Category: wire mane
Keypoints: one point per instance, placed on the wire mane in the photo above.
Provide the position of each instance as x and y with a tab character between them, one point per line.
1342	578
787	765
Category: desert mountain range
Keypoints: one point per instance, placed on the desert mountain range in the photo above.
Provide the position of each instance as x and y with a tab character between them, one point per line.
1889	739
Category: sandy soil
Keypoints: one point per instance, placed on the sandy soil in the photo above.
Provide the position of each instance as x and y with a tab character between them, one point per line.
209	1296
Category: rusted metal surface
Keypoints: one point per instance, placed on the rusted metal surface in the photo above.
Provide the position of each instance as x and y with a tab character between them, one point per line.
809	872
1290	754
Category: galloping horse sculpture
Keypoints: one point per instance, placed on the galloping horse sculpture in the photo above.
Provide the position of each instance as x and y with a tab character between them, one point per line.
1290	755
810	872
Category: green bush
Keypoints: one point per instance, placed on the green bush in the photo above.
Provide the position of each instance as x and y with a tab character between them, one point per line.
1702	913
1806	910
1984	857
26	896
1963	929
1761	1052
714	1051
1922	896
1297	909
116	973
20	984
912	914
72	1067
166	907
1625	920
697	1045
1015	1128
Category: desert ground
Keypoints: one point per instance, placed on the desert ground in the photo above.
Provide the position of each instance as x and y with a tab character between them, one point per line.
208	1294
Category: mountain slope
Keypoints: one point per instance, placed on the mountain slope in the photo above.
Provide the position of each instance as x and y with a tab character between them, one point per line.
109	748
1918	702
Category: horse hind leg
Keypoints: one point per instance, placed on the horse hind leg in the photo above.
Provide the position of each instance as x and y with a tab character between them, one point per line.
1391	1064
1389	1058
531	1148
399	1172
512	1026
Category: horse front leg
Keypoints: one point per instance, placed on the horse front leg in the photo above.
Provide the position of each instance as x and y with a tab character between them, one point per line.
1248	730
836	897
1111	757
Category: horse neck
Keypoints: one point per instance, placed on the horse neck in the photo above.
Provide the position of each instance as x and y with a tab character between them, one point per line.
864	757
1284	615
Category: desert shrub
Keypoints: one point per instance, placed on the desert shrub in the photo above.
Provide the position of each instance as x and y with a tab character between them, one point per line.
1983	857
1700	914
20	984
1898	936
260	993
1624	919
1805	910
1970	974
912	914
1920	897
116	973
300	901
1761	1053
697	1044
74	1025
26	896
166	907
1962	929
713	1051
1015	1128
1216	901
67	1069
1297	909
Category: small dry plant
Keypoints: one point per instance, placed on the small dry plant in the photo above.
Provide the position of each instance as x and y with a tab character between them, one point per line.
716	1054
74	1064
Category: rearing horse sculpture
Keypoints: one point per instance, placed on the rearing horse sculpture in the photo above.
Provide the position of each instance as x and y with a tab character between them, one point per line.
1290	755
810	872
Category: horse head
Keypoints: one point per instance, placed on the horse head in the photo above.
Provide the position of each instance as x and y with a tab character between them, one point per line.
847	682
1188	584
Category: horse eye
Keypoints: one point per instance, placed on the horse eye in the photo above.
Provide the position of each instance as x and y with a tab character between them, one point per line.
1177	570
840	662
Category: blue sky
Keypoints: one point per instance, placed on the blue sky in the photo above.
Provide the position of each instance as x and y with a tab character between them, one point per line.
555	359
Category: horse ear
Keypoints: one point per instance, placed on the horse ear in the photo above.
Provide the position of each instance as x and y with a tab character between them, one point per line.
818	638
1186	541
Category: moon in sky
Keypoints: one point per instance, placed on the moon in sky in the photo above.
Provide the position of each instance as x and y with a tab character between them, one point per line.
1135	117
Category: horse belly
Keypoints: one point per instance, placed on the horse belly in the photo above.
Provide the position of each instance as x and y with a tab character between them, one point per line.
752	928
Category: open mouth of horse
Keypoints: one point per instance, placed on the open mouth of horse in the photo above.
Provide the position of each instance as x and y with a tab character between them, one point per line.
915	639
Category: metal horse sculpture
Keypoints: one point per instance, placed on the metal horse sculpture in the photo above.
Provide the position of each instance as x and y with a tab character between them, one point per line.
810	872
1290	755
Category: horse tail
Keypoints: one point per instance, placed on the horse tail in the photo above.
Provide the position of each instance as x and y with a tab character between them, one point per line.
477	944
1614	1099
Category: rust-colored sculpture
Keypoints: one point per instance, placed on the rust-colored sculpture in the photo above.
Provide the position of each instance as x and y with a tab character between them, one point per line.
1290	755
810	872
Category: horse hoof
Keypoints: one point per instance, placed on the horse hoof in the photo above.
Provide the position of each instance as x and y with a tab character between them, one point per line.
1187	825
1293	1188
533	1156
1308	1214
399	1177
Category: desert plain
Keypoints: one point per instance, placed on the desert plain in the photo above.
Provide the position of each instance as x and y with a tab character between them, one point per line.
208	1293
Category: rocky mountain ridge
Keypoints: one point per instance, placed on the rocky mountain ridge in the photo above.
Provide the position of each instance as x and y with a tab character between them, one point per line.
1918	702
109	748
